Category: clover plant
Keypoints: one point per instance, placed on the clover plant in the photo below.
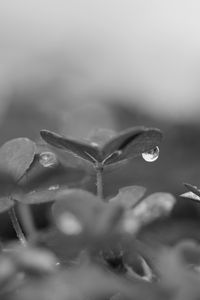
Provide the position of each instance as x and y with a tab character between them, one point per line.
93	246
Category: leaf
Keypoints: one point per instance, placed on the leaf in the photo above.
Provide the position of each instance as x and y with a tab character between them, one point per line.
16	157
81	149
34	261
39	196
189	252
191	196
77	211
83	205
40	184
149	209
131	143
192	188
129	196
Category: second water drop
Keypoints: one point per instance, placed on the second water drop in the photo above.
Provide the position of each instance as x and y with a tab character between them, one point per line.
48	159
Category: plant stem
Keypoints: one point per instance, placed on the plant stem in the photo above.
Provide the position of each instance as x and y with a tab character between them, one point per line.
17	226
27	219
99	180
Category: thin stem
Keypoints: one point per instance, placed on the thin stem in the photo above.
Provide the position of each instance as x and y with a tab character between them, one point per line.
17	226
27	219
99	181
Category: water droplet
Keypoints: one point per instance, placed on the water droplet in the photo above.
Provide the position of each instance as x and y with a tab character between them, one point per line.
151	155
69	224
48	159
53	187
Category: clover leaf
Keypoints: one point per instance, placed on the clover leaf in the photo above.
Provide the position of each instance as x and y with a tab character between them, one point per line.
124	145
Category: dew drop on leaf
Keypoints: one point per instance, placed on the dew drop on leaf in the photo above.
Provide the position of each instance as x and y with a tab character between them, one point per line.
151	155
48	159
69	224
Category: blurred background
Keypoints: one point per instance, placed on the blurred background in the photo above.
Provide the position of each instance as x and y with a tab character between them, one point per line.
73	66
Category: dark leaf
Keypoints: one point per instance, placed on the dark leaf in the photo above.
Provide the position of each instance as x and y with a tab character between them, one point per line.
131	143
81	149
129	196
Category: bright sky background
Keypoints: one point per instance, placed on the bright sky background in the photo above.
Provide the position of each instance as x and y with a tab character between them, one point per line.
149	48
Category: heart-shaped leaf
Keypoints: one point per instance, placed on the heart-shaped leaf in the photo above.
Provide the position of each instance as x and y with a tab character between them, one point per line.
129	196
81	149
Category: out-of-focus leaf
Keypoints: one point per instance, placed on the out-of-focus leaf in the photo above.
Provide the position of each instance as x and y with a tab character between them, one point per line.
16	157
154	206
83	205
129	196
39	196
7	270
77	212
65	247
182	282
86	282
33	261
109	220
189	252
